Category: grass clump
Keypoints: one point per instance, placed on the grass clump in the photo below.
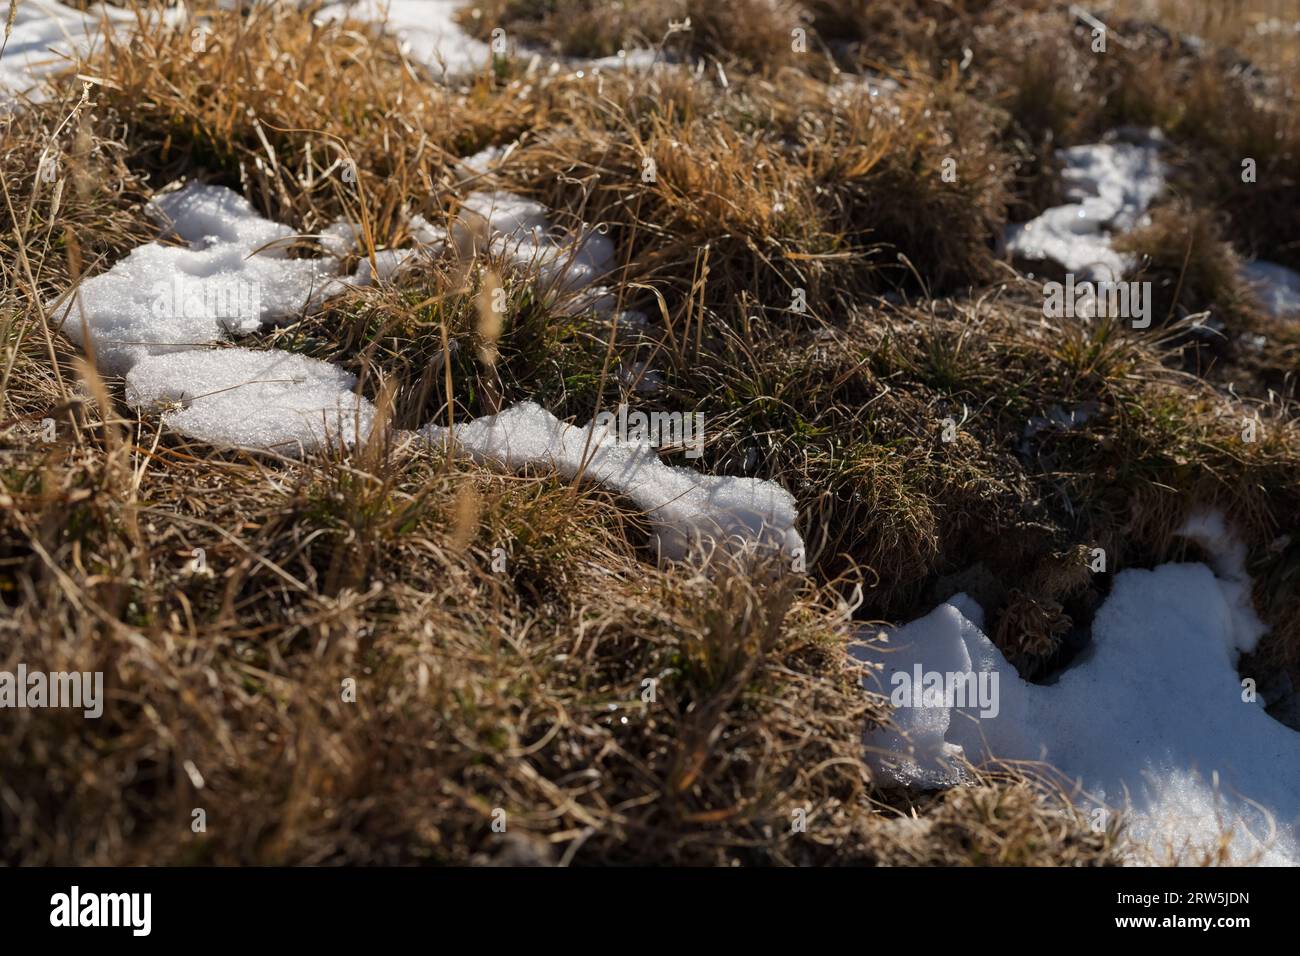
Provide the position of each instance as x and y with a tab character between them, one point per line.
383	649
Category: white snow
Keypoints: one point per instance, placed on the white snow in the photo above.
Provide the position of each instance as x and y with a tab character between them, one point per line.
639	58
387	264
429	34
152	315
206	216
243	398
48	36
481	163
340	238
1150	718
343	237
164	298
1276	286
1108	186
426	233
520	231
426	29
692	513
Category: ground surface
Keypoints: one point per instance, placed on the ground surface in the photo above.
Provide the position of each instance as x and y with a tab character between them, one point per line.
484	685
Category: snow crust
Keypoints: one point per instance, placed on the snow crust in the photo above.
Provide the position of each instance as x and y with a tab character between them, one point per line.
1108	187
242	398
48	36
165	298
429	34
692	513
1276	286
427	30
154	314
1151	718
520	230
151	316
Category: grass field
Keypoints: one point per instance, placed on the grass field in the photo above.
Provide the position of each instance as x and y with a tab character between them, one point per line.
484	686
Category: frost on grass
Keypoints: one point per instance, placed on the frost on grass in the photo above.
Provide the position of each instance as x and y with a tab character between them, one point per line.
1108	187
692	513
1276	287
426	29
1150	719
47	37
241	398
165	298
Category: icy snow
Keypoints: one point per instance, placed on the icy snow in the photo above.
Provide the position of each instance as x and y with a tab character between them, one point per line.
1276	286
48	36
520	230
163	298
427	30
1151	717
691	512
243	398
386	265
150	315
429	34
1108	186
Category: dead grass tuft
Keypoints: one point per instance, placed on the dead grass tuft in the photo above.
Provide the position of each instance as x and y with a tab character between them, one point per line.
512	646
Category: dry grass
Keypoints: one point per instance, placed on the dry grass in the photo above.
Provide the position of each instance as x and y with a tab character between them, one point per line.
521	689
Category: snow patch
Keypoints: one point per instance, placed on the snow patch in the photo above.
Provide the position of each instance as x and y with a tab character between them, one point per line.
150	315
1150	719
520	230
692	513
241	398
162	298
387	264
1108	187
1276	286
47	37
426	29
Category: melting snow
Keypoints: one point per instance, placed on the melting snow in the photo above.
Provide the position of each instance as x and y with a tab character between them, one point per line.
1277	287
150	315
163	298
1150	716
521	232
47	36
1108	186
387	263
251	399
691	512
429	34
427	30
